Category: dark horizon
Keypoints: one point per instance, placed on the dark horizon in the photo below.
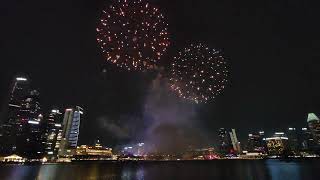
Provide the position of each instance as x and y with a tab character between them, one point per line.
271	48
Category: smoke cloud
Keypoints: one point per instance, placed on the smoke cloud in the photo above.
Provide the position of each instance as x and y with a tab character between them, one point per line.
172	124
116	130
167	123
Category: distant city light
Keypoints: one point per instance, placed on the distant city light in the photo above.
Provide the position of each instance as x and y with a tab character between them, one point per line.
21	79
277	138
279	133
33	122
13	105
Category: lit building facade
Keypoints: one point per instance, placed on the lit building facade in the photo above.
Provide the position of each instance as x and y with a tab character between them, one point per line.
96	152
19	90
53	133
70	131
293	140
234	141
256	143
278	144
314	126
225	145
306	141
30	141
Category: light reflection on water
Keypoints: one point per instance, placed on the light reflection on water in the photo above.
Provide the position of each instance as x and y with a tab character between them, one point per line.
284	170
221	169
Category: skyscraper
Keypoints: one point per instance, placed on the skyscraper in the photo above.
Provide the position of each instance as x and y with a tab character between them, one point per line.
30	107
53	133
306	141
225	146
19	90
70	132
293	140
256	142
234	140
314	126
30	141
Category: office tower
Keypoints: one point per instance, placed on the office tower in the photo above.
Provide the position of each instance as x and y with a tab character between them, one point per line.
70	131
29	131
30	107
314	126
53	133
306	141
263	141
19	90
256	143
225	145
278	144
293	140
234	140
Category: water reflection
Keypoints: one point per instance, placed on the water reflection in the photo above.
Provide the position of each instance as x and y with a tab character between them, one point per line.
130	172
284	170
222	169
47	172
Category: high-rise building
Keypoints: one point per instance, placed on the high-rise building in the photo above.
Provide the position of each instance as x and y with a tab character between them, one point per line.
314	126
278	144
53	133
234	141
30	141
30	107
70	132
256	143
306	141
19	90
225	145
293	140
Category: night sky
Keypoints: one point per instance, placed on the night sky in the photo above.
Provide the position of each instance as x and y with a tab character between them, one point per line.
272	47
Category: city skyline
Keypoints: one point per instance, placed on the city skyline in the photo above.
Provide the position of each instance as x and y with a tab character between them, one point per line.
159	89
22	84
273	71
29	134
63	130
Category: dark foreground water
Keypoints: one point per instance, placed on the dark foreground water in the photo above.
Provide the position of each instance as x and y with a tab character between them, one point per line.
195	170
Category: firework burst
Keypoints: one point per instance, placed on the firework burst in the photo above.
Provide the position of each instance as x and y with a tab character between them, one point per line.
133	34
198	73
